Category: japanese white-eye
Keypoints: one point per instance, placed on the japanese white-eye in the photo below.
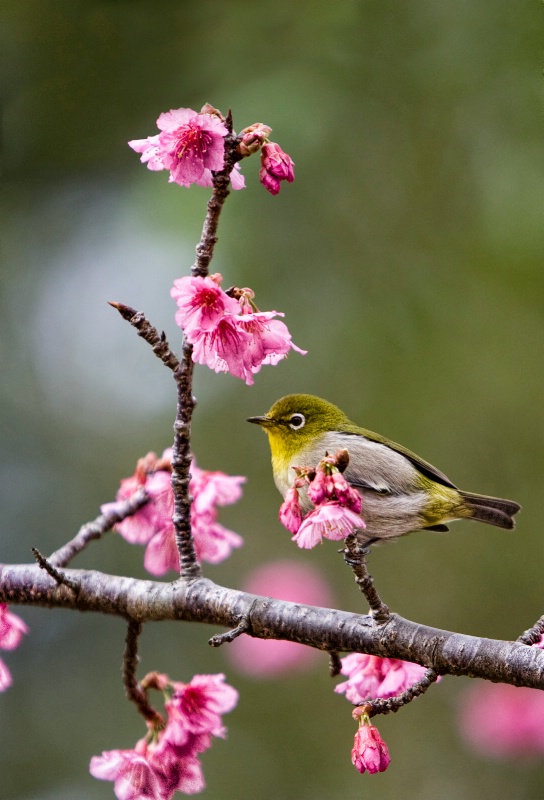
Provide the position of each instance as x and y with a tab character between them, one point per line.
401	492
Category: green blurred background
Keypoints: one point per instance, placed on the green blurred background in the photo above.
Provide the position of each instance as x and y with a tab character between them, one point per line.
407	257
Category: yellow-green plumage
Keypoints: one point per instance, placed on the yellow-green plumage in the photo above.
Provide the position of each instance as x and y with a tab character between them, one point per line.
401	492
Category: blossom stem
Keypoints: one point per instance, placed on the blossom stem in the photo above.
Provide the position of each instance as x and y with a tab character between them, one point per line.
133	690
354	555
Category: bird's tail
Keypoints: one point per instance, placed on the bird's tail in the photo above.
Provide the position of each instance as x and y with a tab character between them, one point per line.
493	510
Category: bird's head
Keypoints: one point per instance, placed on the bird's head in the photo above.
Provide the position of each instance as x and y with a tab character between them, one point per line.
296	421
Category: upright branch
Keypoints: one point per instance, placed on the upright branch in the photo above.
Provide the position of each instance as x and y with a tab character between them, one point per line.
181	451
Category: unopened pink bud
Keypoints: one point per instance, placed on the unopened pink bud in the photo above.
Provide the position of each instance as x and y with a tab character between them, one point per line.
321	488
346	494
290	511
369	752
270	183
277	162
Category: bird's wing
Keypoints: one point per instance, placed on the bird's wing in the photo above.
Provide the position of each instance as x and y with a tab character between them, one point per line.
422	466
419	463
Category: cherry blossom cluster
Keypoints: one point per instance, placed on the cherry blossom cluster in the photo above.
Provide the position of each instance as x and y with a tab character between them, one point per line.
12	629
337	506
191	146
166	760
226	330
370	678
152	525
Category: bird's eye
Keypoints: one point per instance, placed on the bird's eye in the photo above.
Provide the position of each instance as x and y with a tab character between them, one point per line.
297	421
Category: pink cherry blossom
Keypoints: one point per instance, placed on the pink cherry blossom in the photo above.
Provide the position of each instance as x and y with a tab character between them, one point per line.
133	775
214	489
152	524
276	166
12	628
201	304
5	677
370	753
502	721
290	511
190	145
372	677
178	774
202	702
237	180
270	338
227	334
330	520
285	580
166	760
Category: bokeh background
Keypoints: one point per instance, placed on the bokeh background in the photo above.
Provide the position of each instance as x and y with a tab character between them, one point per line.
407	257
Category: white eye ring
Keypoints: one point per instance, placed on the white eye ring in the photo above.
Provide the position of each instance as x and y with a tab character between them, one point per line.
297	421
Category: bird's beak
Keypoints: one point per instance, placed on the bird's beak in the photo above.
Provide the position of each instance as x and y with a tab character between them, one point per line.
264	422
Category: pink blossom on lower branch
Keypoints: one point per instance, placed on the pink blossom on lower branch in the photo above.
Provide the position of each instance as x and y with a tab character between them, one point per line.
372	677
12	630
370	753
133	776
166	760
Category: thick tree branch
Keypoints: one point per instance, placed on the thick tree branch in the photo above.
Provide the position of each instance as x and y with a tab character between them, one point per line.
326	629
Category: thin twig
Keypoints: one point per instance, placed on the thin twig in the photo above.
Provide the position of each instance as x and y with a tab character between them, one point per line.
150	334
230	636
59	577
97	528
335	664
355	556
393	704
133	690
533	634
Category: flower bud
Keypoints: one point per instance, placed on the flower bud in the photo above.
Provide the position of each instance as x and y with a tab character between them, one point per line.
369	752
253	138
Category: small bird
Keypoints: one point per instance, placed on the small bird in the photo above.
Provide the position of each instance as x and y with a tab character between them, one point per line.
400	491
